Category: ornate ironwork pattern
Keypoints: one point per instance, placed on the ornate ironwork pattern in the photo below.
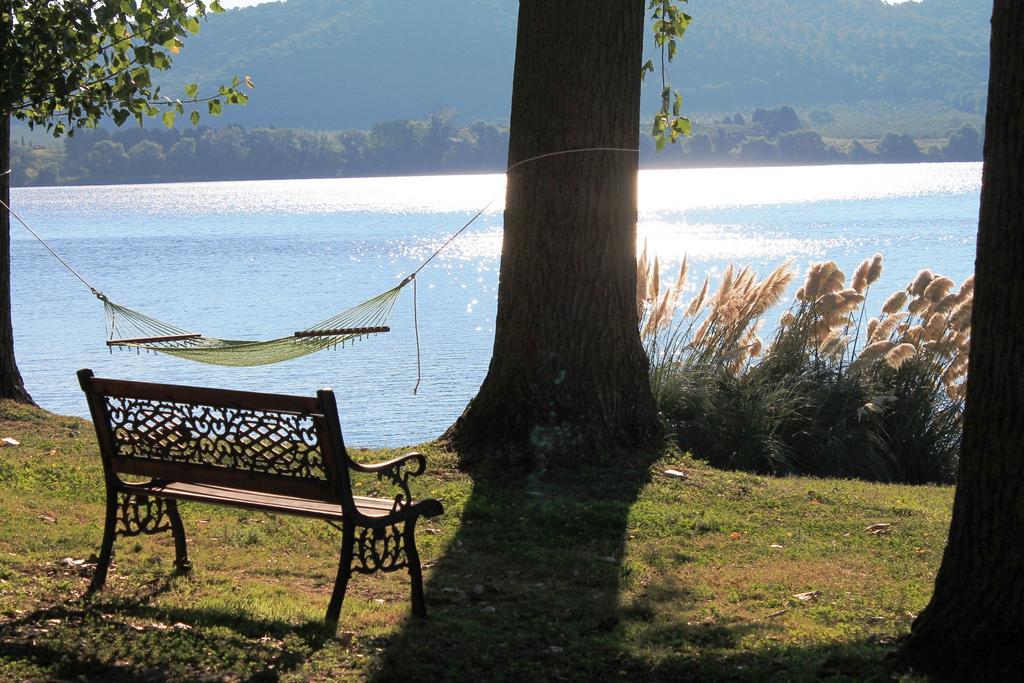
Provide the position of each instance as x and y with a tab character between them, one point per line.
398	474
379	549
141	515
235	438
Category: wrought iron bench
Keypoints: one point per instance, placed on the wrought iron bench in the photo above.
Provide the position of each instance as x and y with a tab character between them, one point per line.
162	443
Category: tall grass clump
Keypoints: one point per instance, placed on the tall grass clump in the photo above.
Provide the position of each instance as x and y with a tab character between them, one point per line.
833	393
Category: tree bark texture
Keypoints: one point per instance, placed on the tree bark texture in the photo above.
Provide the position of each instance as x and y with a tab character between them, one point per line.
11	385
974	625
568	377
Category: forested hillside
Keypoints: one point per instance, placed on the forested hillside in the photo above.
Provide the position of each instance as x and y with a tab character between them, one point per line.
336	64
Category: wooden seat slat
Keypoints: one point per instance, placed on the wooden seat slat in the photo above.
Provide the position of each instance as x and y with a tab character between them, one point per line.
268	502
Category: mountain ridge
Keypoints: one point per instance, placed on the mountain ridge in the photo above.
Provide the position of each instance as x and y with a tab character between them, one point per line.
331	64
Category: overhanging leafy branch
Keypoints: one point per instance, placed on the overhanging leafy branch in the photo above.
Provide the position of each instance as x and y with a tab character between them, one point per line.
669	23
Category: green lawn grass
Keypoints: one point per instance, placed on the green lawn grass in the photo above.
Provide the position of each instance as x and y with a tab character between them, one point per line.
607	573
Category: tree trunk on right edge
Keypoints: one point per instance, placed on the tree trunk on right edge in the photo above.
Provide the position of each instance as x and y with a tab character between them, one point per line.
974	625
568	379
11	385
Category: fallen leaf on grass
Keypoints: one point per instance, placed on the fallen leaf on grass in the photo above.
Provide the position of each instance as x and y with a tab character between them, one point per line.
9	442
677	474
808	596
48	518
775	545
736	535
880	528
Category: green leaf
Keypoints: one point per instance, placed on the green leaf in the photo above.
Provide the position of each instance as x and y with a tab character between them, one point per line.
168	119
191	90
194	118
192	25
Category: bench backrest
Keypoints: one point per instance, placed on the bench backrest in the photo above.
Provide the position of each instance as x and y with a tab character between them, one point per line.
271	443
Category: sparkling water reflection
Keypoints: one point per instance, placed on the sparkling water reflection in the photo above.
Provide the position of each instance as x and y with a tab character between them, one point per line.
265	258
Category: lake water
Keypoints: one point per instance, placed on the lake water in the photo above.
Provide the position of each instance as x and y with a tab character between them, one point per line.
262	259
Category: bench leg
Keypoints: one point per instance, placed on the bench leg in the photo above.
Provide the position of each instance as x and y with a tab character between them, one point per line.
181	561
99	577
419	605
348	533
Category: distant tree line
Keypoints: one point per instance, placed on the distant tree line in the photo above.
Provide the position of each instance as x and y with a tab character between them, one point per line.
780	137
137	155
437	145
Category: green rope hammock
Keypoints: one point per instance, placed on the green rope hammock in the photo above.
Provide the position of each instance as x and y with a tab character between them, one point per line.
130	329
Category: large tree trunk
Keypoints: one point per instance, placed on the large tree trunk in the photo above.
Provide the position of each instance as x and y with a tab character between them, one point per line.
974	625
568	376
11	385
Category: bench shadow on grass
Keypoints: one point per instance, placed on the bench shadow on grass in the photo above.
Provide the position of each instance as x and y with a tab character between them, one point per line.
530	588
110	637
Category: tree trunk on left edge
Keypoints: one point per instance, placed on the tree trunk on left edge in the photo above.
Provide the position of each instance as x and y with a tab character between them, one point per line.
568	379
11	385
973	628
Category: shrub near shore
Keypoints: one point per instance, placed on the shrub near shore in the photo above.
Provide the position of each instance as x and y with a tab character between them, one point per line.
834	393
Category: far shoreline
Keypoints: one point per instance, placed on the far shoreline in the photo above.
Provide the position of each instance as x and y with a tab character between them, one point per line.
482	172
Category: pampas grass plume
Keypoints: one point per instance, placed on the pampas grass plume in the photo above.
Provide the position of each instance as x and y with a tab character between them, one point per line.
899	355
938	288
698	301
921	282
875	271
935	326
860	276
894	302
960	318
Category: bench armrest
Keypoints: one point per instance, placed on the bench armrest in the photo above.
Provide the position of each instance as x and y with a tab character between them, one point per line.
397	470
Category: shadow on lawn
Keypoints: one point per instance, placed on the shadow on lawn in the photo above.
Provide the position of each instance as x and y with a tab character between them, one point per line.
119	638
530	589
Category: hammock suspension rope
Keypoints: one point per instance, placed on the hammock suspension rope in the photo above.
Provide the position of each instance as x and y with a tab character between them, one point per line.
128	329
